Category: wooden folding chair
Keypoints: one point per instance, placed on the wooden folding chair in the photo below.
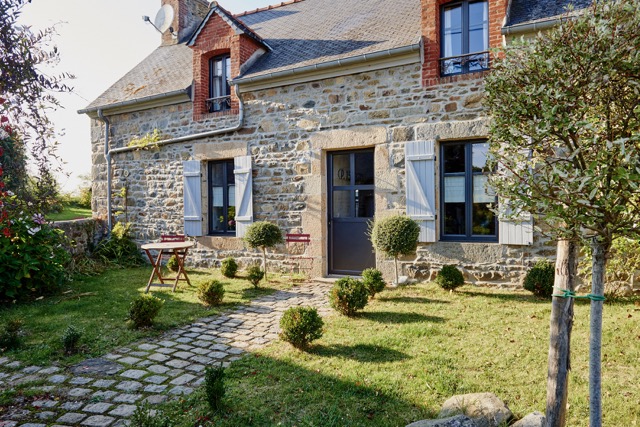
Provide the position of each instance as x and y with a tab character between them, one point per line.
172	238
180	255
297	246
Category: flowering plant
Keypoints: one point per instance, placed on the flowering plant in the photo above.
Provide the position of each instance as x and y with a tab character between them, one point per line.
32	255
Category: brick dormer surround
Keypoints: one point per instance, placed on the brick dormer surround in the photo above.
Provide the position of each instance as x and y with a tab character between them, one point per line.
431	38
217	37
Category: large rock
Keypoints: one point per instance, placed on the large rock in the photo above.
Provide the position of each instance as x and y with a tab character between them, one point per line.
535	419
485	409
457	421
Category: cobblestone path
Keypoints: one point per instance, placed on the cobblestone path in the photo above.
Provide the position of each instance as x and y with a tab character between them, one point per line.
106	391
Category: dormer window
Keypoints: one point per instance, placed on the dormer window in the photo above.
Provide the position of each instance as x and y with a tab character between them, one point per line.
464	37
219	89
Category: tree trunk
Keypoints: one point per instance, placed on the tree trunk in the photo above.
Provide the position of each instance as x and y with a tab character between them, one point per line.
264	262
395	261
599	249
560	337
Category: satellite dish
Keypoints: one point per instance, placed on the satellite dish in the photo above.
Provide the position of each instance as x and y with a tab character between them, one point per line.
164	18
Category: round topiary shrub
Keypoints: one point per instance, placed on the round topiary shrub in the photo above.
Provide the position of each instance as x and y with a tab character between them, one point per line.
395	236
539	280
373	281
229	267
449	277
172	263
144	309
348	295
211	292
263	235
300	326
255	275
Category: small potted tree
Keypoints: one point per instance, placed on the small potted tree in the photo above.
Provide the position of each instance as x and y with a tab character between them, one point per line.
263	235
395	236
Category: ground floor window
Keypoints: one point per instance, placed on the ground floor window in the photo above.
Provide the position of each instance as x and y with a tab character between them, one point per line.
467	205
222	203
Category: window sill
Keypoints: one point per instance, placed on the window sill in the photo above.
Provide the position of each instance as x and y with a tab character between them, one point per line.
492	239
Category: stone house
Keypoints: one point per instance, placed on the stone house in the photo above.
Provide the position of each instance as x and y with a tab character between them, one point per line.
318	116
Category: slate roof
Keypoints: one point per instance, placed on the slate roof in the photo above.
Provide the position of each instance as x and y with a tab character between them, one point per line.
305	33
299	33
168	69
529	11
316	31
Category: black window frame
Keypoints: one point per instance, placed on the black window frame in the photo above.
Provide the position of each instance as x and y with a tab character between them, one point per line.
465	56
223	101
468	197
227	231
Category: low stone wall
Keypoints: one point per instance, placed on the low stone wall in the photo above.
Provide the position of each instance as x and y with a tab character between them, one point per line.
84	234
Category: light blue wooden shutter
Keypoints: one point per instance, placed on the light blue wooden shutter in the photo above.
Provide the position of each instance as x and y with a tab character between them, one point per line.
514	231
192	198
244	194
518	229
421	189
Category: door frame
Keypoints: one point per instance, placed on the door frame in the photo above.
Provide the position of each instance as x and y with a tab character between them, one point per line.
352	187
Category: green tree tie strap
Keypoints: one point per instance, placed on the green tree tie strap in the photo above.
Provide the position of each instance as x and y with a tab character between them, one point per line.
566	293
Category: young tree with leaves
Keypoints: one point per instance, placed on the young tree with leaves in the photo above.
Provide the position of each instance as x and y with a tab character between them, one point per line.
27	96
566	139
263	235
395	236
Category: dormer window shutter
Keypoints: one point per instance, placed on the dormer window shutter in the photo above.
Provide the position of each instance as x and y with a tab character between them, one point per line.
420	187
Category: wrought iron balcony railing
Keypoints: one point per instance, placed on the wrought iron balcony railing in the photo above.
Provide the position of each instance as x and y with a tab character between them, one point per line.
220	103
467	63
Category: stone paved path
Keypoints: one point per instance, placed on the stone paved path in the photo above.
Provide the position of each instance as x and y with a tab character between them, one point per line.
106	391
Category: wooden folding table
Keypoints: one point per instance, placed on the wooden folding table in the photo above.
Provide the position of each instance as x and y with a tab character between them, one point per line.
179	250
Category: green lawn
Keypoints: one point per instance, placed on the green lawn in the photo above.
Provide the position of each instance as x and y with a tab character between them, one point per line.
99	305
414	347
70	212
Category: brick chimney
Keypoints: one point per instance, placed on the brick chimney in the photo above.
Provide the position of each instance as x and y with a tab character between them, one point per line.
187	15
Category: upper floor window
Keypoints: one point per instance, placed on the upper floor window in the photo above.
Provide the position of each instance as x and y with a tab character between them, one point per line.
467	203
222	197
219	89
464	37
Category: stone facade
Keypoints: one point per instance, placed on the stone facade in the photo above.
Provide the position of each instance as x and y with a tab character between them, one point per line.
288	131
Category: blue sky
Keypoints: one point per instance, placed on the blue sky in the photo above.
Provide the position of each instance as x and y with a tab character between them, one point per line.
99	41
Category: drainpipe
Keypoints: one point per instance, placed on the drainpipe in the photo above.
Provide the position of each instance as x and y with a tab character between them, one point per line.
191	137
108	152
107	155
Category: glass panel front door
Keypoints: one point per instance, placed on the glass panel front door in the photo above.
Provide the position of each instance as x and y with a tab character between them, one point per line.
351	207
